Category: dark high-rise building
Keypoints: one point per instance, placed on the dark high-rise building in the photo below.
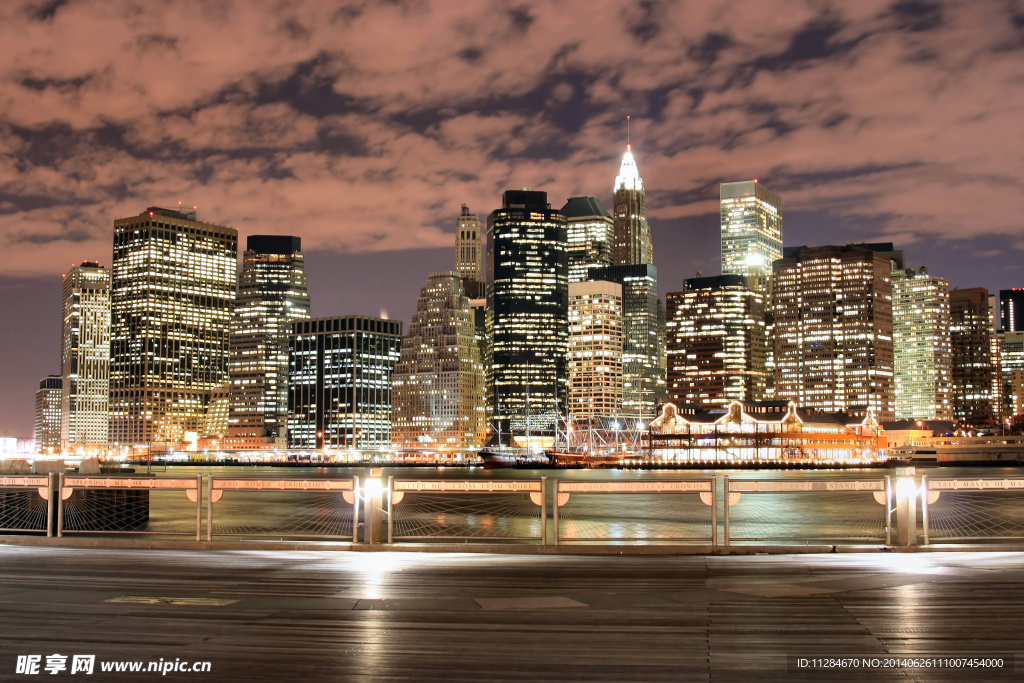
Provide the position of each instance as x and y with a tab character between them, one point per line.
272	294
1011	310
976	377
172	291
48	414
633	245
85	359
833	327
716	341
591	234
528	298
339	382
643	356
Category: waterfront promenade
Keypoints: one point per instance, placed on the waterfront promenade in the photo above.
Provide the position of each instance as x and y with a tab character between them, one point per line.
279	615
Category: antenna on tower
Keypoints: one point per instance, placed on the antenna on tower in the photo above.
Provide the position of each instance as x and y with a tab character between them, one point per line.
629	147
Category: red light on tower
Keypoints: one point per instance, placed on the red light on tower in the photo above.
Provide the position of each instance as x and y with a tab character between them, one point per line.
151	213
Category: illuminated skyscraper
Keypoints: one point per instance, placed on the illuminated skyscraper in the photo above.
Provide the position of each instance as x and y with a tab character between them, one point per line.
751	231
595	349
438	384
633	244
527	296
643	356
920	322
469	252
1011	310
1012	370
48	398
85	358
975	358
272	294
339	382
716	341
591	233
172	291
833	327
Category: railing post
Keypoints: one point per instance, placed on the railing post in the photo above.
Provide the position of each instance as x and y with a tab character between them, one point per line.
714	511
888	510
391	521
906	510
544	510
356	495
209	509
554	512
924	506
199	507
60	505
53	494
725	479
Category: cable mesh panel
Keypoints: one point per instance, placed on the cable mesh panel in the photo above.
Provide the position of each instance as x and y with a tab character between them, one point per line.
294	514
167	512
846	517
634	517
22	510
976	515
466	516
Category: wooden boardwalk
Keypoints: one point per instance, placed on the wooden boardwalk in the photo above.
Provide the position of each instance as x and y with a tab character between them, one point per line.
330	616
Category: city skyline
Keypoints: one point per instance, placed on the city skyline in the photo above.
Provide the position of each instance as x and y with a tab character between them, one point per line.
302	139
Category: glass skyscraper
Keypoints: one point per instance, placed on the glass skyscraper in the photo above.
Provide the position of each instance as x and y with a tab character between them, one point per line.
920	323
272	294
591	234
172	291
976	377
85	359
48	396
339	382
751	219
527	296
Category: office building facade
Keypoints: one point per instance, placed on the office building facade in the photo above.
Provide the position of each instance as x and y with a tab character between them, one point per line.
751	223
1012	373
339	382
527	300
921	346
591	236
833	343
595	350
272	294
85	360
1011	309
975	361
438	383
172	292
716	341
47	427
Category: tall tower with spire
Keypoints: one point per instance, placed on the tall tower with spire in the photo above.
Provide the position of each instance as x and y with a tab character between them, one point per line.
632	234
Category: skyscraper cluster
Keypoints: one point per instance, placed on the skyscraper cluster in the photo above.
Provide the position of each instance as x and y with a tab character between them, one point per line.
550	316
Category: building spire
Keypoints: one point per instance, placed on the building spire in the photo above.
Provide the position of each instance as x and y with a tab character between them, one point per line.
629	147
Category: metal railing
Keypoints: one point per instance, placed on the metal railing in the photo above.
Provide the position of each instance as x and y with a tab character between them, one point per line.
326	509
972	509
838	518
472	510
25	503
114	504
644	511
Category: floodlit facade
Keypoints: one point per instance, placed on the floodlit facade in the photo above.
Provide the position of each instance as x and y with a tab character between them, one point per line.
172	292
438	383
751	220
633	245
833	328
921	346
716	341
339	382
272	294
527	296
975	359
85	359
591	235
643	355
595	349
48	398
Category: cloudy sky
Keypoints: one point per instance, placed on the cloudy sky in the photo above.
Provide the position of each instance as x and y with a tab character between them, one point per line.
362	126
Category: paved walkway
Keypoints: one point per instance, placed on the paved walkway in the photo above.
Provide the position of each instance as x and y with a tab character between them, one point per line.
331	616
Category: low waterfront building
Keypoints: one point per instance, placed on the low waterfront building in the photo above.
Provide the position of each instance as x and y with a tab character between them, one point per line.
764	432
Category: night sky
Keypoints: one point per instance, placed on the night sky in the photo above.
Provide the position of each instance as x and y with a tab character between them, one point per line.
362	126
